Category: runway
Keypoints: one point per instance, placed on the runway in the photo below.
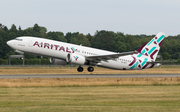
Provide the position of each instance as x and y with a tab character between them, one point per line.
89	75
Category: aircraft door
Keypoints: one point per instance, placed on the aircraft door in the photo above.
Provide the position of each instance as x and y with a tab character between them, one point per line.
15	43
30	42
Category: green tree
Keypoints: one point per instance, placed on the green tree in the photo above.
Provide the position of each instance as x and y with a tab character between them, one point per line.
107	40
27	32
70	35
81	39
90	38
43	31
166	55
5	28
13	29
59	36
121	47
36	30
104	40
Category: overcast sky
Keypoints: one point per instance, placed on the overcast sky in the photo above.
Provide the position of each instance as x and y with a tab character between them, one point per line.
87	16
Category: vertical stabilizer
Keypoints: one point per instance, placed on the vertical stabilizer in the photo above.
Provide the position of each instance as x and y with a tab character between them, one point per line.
152	48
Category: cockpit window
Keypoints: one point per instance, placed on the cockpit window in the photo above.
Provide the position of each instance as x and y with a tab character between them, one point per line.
19	39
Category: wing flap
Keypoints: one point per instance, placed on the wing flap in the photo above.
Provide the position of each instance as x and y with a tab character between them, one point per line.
109	56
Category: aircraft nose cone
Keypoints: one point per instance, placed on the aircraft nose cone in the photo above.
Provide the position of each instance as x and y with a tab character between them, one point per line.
7	43
10	43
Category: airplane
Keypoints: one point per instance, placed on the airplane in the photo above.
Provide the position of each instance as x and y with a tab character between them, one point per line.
62	53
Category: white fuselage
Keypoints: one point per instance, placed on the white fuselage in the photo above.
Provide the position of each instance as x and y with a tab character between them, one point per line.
59	50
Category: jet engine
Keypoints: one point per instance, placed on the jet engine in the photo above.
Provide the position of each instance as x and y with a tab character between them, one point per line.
76	59
58	61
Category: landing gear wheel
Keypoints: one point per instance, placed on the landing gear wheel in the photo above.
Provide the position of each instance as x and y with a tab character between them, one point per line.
80	69
90	69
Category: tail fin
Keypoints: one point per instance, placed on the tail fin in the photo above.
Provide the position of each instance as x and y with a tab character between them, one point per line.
152	48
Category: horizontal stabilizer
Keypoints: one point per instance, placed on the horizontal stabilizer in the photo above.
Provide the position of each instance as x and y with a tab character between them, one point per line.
162	62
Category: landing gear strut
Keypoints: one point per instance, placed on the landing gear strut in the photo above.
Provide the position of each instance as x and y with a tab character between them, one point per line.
80	69
90	69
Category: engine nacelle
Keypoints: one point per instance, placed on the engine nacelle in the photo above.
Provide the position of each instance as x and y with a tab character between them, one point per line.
76	59
58	61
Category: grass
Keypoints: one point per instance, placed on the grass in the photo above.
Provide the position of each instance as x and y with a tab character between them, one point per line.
87	82
88	99
73	70
89	94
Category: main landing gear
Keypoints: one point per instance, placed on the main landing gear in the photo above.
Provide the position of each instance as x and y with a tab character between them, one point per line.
80	69
90	69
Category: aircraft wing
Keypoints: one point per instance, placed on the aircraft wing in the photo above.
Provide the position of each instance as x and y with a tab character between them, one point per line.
162	62
98	58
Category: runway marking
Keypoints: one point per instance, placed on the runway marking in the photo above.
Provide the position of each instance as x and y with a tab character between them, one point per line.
89	75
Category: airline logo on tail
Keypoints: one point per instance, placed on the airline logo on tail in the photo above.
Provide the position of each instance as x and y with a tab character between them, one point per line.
147	52
152	48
